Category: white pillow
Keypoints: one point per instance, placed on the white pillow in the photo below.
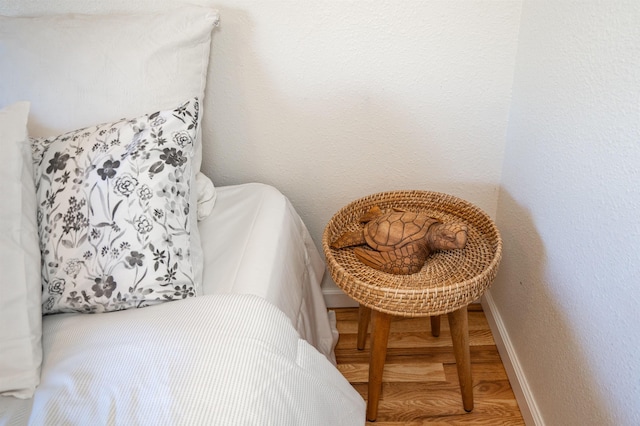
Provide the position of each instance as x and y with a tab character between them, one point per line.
79	70
114	212
20	313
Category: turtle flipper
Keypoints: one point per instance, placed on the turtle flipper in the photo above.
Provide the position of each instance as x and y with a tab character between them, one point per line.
371	214
403	261
375	212
348	239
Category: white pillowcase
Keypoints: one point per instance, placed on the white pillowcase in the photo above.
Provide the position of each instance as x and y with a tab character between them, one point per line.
20	313
114	212
79	70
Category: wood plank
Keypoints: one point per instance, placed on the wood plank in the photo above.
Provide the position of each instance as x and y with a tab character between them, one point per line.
411	404
477	321
405	372
422	339
479	371
462	419
483	389
479	354
435	402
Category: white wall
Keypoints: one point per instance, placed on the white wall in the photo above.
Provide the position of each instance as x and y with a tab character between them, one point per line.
569	286
333	100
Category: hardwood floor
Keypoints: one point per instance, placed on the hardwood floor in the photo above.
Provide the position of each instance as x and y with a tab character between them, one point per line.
420	382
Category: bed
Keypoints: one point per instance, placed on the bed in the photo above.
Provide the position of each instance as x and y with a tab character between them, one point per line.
255	349
134	290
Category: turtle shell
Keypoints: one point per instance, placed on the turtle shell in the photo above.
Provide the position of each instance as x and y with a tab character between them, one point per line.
397	229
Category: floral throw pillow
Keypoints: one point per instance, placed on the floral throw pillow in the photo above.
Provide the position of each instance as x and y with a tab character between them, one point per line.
113	215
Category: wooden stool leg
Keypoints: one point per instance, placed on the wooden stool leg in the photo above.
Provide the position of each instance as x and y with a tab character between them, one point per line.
379	339
459	325
364	315
435	326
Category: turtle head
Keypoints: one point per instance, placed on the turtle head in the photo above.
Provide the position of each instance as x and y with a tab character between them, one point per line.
448	236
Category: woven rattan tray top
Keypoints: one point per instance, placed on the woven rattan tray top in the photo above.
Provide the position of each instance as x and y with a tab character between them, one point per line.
448	281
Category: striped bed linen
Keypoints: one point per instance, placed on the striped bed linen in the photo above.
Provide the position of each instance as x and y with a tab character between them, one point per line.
212	360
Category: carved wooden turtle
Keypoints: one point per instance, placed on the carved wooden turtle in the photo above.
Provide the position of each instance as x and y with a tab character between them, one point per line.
401	240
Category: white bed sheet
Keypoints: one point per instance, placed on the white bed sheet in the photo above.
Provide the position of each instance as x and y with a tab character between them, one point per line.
254	242
210	360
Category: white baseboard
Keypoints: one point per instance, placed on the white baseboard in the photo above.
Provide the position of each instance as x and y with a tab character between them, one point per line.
524	396
336	298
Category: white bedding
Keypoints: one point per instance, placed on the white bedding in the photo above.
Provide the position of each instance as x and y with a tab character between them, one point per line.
255	242
210	360
225	357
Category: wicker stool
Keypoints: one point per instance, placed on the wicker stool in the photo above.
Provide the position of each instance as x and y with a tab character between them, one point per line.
448	282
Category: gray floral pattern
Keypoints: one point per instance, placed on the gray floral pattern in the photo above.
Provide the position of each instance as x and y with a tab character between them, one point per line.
113	214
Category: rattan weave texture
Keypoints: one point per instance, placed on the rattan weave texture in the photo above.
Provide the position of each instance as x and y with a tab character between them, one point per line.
448	281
